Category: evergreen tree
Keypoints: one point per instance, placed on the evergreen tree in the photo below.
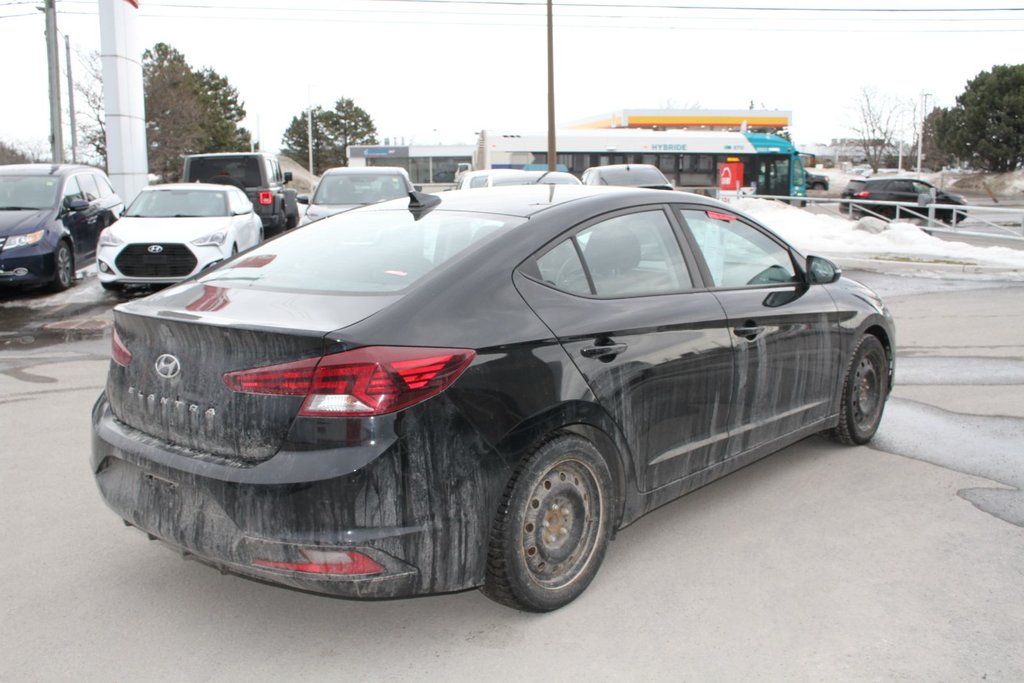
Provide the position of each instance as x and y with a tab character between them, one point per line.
295	142
333	131
187	111
348	124
986	127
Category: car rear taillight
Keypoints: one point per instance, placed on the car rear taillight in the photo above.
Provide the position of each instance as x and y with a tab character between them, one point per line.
373	380
266	198
118	351
862	195
345	562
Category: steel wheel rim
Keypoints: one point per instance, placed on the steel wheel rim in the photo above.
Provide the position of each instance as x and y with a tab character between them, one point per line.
64	266
562	524
865	392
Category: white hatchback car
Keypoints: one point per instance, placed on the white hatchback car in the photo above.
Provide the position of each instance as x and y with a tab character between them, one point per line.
171	232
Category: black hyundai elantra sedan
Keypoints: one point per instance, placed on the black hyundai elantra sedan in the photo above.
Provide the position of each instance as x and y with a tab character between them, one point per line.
475	389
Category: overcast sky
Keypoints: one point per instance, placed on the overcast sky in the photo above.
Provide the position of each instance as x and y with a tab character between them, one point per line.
435	71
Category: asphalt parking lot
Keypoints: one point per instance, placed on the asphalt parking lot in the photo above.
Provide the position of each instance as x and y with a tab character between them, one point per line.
903	560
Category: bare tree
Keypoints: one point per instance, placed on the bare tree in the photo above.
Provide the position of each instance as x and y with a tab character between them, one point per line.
876	126
91	121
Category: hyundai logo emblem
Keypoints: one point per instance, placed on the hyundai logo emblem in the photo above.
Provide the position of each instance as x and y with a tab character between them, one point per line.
155	249
168	366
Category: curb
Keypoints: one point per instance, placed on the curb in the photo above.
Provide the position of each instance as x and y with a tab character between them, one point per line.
883	265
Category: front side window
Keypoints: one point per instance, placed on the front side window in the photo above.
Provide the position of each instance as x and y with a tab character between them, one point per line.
634	254
72	191
87	184
737	254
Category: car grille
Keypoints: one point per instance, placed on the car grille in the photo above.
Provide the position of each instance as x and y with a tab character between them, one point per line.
172	260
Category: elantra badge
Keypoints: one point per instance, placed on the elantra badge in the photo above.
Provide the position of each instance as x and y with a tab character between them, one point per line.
155	249
168	366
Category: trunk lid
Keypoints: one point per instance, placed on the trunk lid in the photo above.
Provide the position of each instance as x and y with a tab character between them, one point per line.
185	339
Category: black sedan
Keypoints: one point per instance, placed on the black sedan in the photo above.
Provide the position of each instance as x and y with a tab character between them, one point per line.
435	394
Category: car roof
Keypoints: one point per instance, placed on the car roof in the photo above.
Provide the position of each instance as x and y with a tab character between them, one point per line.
60	170
205	187
528	200
365	170
622	167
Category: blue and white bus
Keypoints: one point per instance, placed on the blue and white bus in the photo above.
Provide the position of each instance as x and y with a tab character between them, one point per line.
691	160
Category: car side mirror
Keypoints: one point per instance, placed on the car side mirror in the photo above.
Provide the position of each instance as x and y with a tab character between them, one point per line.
76	205
821	271
287	176
302	198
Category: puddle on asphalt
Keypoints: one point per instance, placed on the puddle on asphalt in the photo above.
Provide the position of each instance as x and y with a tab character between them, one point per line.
991	447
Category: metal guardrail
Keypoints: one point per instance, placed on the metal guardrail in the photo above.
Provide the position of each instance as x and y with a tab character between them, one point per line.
966	219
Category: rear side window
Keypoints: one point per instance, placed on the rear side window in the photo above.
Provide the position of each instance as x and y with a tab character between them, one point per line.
633	254
364	252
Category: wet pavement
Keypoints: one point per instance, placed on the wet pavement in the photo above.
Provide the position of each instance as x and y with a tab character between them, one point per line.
897	561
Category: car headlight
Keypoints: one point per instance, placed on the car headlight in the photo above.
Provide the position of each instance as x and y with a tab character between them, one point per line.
109	239
24	240
214	239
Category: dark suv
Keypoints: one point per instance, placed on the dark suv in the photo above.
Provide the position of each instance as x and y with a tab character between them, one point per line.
50	218
259	175
815	181
915	192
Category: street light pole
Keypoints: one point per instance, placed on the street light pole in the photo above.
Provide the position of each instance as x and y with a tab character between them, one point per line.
920	130
71	103
552	160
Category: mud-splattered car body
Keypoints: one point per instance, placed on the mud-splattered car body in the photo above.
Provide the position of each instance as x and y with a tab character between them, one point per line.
213	437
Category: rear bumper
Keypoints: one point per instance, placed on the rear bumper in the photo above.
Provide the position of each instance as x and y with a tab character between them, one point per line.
235	517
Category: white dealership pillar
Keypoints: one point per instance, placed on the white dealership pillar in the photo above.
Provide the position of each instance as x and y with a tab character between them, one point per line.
123	102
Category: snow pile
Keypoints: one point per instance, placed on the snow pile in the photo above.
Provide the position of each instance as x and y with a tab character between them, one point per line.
835	236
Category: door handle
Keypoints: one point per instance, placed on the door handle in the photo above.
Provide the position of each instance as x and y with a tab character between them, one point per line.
748	330
603	351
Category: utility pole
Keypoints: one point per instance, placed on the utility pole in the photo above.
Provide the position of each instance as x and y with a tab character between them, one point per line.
71	102
309	126
53	63
552	156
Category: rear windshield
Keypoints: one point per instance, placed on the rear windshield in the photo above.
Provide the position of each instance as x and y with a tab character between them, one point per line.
245	170
363	252
633	177
179	204
359	188
28	192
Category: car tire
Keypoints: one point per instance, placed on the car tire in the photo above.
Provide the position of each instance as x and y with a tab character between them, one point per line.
865	390
552	528
63	268
291	221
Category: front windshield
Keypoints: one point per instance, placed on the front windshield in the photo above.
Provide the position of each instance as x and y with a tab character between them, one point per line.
179	204
19	192
363	252
359	188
